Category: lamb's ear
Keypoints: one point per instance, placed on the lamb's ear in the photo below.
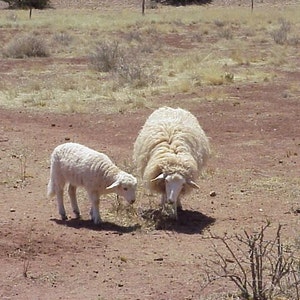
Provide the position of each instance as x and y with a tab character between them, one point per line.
113	185
159	177
192	184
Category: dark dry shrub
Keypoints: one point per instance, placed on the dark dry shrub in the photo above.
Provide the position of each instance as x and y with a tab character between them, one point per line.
27	45
280	36
106	56
124	64
62	38
225	33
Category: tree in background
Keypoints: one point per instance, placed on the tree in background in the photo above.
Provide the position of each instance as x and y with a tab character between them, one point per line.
28	4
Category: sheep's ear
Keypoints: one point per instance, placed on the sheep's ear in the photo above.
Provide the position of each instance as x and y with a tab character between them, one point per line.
192	184
113	185
159	177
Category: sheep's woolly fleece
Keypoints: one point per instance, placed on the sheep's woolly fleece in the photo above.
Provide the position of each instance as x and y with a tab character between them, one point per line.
171	141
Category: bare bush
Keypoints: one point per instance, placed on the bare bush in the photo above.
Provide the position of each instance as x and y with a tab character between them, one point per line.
226	33
280	36
261	269
62	38
27	45
124	64
106	56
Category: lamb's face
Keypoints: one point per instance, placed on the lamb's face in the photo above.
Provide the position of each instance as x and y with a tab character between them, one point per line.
127	191
124	186
174	184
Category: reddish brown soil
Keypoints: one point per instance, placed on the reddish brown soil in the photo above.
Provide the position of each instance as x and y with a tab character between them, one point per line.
254	171
255	139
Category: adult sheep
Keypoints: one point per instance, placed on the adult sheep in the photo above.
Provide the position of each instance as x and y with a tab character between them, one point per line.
170	152
79	165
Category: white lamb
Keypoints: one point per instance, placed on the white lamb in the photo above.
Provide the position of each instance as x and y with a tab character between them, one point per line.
81	166
170	153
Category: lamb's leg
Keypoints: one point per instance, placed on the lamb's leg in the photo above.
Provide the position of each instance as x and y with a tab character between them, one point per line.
73	199
94	198
60	203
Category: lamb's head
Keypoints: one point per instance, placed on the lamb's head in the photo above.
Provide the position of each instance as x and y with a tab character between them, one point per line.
174	185
125	186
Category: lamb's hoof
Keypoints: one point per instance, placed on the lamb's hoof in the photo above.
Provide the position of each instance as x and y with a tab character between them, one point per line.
77	215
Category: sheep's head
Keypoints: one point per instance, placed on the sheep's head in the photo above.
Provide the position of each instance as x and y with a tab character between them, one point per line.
125	186
174	185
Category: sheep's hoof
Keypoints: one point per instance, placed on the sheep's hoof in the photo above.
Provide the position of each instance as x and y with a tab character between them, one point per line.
96	220
64	217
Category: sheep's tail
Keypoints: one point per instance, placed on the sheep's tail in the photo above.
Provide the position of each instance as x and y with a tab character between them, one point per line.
51	187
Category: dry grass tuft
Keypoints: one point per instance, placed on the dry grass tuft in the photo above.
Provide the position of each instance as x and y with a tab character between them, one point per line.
27	45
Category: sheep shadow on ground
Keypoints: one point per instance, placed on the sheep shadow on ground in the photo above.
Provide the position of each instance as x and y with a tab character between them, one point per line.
104	226
189	222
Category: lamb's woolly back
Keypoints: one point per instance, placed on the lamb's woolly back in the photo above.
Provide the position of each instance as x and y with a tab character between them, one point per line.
81	166
171	140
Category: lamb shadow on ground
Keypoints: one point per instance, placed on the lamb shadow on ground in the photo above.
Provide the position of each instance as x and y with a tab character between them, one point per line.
104	226
189	222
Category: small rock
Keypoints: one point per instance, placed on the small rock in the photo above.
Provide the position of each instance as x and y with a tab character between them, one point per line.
12	210
158	259
67	138
213	194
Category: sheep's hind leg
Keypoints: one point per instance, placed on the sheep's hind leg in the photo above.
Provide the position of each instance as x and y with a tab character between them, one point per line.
73	199
60	203
95	216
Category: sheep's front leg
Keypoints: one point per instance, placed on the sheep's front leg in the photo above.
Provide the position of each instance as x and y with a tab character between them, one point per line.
60	204
73	199
179	205
163	202
94	198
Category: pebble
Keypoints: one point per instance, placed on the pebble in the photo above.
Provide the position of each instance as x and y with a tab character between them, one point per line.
212	194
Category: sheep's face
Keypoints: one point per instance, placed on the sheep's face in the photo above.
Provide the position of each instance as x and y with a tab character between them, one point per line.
174	184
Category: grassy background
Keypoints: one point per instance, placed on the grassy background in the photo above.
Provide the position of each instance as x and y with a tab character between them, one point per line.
169	50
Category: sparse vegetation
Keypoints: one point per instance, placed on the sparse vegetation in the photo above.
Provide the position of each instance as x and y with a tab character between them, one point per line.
280	35
124	64
261	268
171	50
27	45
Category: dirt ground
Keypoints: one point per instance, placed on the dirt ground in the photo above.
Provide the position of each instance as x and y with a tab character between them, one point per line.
253	171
